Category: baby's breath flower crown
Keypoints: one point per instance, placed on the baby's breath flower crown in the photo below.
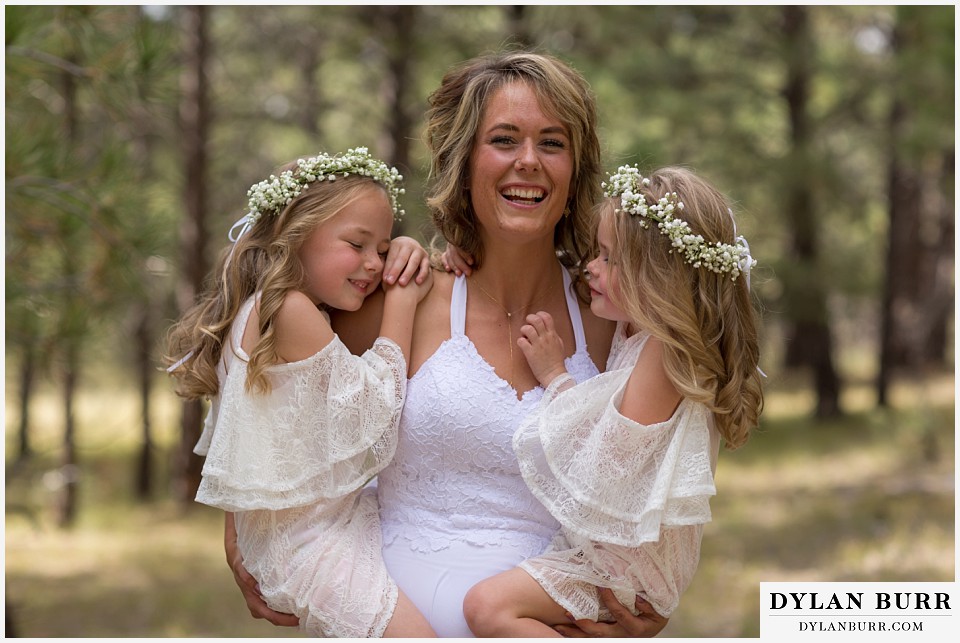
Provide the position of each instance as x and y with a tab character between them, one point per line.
717	257
272	195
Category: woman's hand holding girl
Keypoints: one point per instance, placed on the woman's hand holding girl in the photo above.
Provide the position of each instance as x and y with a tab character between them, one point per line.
646	624
247	583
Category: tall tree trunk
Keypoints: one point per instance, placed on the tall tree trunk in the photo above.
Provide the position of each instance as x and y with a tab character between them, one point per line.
28	374
71	322
144	307
932	295
808	337
195	121
918	288
942	262
69	468
144	342
903	193
399	21
308	62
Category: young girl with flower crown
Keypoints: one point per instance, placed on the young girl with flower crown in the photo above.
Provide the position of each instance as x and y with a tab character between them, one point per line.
625	461
298	425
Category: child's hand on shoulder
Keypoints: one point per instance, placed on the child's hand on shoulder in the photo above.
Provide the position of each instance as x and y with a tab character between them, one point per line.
421	287
542	347
457	261
406	260
407	269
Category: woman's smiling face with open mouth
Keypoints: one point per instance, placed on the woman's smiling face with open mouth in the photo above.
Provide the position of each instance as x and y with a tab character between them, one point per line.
521	165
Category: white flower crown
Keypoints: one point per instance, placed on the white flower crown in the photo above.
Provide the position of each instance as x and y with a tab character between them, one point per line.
717	257
272	195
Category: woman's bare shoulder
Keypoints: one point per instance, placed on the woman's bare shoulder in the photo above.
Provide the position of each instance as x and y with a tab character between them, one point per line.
431	327
442	291
435	307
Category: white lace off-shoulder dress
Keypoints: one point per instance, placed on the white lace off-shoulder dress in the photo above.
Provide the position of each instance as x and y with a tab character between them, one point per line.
631	499
292	464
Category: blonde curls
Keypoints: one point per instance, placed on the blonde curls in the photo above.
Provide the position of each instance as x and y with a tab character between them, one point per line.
706	321
265	261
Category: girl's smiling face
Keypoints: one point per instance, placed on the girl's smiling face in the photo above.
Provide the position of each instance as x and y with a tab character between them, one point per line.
521	166
604	281
343	257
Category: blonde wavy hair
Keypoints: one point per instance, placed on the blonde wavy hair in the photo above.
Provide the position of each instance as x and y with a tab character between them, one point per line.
705	321
264	260
454	115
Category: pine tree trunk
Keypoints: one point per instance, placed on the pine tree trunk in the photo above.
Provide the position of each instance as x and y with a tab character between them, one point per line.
69	467
942	264
308	62
142	151
195	118
918	287
808	337
71	321
902	190
397	24
144	338
28	368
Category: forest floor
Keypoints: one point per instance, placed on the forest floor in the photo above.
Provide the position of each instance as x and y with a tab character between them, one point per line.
867	497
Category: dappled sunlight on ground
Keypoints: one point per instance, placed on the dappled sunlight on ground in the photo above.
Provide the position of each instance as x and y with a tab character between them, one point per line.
158	574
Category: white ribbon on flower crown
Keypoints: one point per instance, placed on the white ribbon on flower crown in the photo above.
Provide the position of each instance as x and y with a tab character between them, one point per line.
244	223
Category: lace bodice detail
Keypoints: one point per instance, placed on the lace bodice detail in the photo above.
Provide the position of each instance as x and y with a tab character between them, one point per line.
455	476
325	429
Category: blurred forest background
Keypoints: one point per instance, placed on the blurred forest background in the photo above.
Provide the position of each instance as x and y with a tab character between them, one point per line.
132	134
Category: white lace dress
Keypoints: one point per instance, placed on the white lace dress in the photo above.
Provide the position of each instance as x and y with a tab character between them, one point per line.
454	508
292	465
632	499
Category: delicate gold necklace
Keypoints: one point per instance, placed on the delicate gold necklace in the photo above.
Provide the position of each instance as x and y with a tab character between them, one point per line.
509	315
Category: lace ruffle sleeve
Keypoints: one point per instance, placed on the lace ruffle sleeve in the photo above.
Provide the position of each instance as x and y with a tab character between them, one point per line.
608	478
664	569
559	384
327	427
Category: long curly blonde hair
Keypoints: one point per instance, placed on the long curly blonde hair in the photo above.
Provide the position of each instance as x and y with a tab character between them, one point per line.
705	321
264	260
